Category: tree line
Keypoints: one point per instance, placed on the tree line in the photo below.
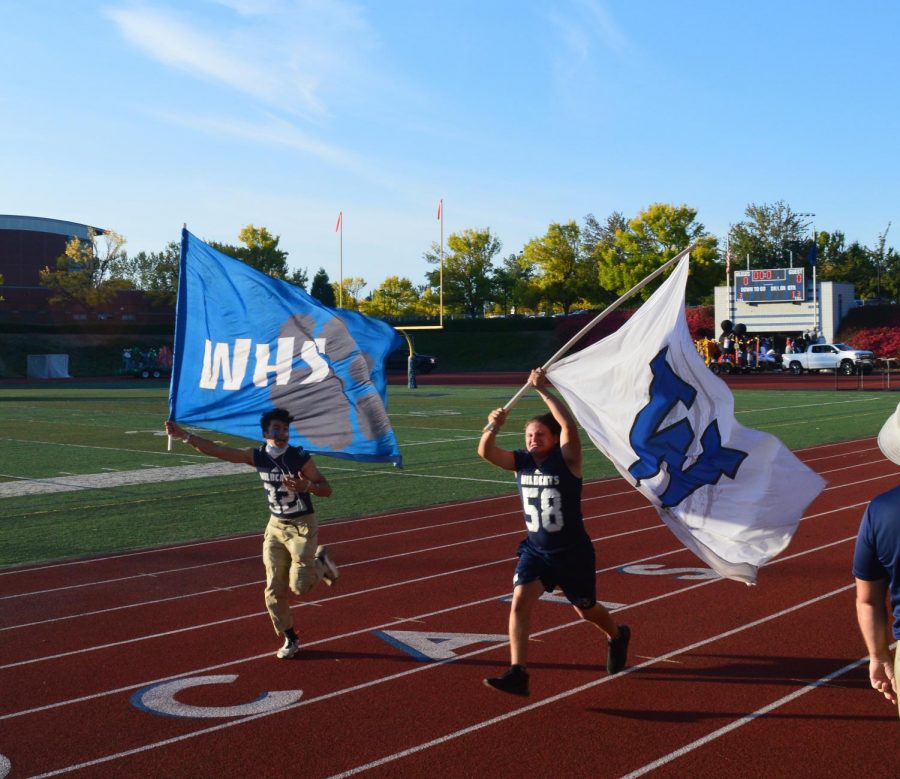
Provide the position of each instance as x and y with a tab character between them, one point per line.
571	266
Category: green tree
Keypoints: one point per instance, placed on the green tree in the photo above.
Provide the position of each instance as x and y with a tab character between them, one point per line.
566	271
887	269
655	235
349	291
467	270
395	296
299	278
770	235
429	302
260	251
873	272
89	272
156	273
321	288
510	283
596	235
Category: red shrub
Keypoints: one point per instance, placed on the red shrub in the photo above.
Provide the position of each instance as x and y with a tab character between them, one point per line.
701	322
700	319
883	341
566	327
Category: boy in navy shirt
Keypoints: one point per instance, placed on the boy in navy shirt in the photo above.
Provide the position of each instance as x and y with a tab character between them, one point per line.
557	552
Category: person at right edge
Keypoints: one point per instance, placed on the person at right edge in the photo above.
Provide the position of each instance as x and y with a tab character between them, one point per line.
876	567
557	552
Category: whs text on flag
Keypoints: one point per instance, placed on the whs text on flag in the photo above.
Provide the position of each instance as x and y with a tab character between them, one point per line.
246	342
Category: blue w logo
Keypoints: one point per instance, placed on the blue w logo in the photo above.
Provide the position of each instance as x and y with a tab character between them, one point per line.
655	445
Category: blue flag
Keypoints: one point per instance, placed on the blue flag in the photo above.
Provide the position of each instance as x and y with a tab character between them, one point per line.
246	343
811	255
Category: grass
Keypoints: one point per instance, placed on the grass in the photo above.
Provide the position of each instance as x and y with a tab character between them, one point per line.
90	428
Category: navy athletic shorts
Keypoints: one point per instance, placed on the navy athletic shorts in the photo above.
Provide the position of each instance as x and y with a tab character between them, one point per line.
572	570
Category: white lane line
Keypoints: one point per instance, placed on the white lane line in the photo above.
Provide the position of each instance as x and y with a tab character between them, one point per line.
341	596
440	525
747	718
449	609
405	532
326	640
98	481
590	685
438	664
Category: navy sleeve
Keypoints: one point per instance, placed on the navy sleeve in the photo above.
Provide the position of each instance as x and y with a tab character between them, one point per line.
866	565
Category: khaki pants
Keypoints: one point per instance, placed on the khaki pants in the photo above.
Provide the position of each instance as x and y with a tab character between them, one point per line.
289	554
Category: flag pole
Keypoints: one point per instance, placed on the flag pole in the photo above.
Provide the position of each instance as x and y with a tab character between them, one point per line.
441	275
340	224
595	321
183	228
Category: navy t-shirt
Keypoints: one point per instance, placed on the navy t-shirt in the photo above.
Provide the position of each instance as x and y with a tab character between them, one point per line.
877	553
272	469
551	499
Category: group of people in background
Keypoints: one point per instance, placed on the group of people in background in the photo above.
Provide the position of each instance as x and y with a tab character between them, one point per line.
751	352
135	358
802	342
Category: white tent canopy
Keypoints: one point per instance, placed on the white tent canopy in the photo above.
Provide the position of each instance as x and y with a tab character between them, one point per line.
48	366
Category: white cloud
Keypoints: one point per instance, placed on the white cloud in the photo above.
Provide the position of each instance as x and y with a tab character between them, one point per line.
273	131
220	58
588	24
600	21
249	7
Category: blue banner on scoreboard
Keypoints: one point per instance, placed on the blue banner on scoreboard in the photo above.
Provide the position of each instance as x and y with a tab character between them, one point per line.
770	285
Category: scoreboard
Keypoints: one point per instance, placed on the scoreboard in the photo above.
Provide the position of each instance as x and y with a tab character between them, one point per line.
770	285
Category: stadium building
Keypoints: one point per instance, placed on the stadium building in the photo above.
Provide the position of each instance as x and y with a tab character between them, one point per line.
28	244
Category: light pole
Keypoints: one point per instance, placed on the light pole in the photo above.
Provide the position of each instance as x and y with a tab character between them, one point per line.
810	215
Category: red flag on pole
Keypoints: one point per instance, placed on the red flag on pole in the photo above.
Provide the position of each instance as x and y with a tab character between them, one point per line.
338	225
440	207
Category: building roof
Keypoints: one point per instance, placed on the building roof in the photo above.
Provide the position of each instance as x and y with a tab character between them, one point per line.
40	224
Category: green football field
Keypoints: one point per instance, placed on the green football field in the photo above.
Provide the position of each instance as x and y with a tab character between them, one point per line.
104	445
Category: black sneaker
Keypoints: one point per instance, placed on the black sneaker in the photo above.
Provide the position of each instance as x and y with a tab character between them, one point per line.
617	651
514	681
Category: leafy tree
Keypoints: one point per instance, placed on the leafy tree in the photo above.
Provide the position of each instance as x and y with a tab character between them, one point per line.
395	296
88	272
429	302
299	278
873	272
566	271
349	295
260	251
155	273
467	269
321	288
887	267
598	237
655	235
769	235
595	235
263	252
510	283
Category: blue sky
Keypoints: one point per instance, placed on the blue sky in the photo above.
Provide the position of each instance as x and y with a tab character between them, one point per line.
141	116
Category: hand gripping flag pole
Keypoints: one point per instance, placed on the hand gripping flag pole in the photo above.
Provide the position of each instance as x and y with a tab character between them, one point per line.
594	322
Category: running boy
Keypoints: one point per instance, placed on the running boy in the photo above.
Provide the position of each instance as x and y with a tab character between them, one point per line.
290	553
557	552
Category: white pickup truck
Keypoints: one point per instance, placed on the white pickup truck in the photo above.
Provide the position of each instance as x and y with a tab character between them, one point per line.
829	357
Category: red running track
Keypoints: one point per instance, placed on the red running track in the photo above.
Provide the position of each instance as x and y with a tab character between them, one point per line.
160	663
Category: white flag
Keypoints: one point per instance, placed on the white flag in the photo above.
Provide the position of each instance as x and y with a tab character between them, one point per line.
732	495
